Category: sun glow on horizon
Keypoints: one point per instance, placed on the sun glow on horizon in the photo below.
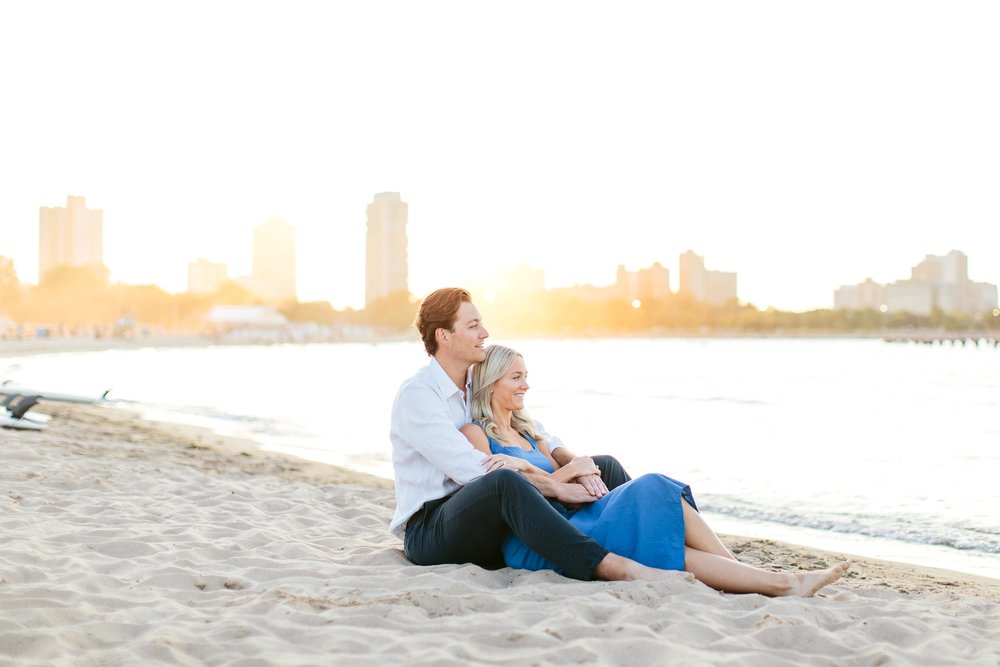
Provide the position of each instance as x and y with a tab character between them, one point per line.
628	136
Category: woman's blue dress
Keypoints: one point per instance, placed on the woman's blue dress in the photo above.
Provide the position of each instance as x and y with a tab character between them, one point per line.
641	519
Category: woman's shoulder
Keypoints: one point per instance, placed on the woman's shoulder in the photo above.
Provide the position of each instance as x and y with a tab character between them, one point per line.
473	428
475	434
474	431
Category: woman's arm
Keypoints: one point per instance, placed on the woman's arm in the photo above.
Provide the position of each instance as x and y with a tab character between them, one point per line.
563	457
568	471
543	447
550	488
477	436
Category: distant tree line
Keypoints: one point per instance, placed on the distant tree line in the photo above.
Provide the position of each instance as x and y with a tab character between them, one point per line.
83	297
552	313
75	299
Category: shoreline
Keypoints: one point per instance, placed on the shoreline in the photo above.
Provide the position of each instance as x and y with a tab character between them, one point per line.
785	553
893	574
790	536
902	552
881	549
13	348
782	534
31	346
134	542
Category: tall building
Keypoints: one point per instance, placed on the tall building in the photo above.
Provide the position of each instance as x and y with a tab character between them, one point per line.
651	283
703	285
938	282
386	268
951	269
71	236
272	276
205	277
868	295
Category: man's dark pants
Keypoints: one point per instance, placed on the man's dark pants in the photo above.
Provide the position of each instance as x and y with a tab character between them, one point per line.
470	525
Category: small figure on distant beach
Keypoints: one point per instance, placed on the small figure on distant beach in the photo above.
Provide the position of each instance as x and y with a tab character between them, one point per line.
455	504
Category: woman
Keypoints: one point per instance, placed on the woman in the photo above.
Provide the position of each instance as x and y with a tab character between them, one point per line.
652	519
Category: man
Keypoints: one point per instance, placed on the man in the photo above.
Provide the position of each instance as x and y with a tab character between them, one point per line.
447	509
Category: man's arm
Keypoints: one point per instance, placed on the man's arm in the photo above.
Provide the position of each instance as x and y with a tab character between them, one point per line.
421	420
569	492
564	492
562	455
554	447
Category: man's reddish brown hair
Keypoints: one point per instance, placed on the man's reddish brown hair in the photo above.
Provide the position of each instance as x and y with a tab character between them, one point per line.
439	311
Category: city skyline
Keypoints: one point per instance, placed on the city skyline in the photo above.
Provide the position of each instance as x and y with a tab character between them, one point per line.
75	235
625	136
273	266
936	283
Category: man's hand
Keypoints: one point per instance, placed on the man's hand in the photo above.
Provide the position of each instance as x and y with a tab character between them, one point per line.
497	461
572	494
594	485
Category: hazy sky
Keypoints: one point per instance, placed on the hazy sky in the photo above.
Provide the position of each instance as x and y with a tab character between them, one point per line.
804	145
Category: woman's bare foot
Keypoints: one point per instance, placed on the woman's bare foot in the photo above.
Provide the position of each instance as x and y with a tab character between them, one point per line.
806	584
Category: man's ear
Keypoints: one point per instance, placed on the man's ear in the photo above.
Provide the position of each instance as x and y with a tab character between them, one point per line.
441	335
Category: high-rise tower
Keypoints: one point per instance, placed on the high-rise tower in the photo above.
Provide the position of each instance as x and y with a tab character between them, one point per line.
717	287
385	258
273	274
71	236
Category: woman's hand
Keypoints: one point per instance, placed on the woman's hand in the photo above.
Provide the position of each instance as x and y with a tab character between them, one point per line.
497	461
572	495
581	466
594	485
585	472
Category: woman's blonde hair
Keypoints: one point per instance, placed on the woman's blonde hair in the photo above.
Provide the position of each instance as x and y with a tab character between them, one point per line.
498	361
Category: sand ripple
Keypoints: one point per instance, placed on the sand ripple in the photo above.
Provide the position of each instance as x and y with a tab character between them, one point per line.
148	554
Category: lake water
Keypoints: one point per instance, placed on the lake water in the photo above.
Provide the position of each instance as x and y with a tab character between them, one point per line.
884	450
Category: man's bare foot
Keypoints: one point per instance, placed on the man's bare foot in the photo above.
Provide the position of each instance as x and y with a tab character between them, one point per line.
806	584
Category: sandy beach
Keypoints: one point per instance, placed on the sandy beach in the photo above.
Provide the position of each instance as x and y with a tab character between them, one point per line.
127	542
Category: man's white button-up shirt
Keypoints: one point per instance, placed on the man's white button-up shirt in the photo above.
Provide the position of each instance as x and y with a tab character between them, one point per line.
431	457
